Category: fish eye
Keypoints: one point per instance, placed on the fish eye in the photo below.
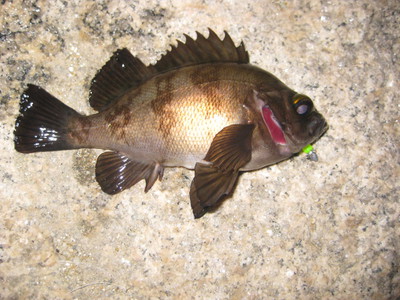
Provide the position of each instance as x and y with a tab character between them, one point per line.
302	109
302	104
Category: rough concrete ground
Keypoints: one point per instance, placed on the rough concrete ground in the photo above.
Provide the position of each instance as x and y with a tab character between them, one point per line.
296	230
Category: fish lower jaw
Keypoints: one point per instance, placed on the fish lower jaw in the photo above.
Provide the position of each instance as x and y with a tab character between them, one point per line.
284	150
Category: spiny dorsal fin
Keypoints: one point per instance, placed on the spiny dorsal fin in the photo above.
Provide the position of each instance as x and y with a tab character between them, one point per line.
201	51
122	72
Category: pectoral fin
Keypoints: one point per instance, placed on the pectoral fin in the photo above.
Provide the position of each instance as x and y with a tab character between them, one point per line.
115	172
229	151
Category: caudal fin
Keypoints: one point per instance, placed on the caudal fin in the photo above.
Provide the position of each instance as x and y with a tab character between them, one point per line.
43	122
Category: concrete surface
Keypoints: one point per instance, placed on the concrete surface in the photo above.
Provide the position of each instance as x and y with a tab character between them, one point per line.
296	230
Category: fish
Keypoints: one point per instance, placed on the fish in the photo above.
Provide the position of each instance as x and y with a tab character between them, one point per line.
201	106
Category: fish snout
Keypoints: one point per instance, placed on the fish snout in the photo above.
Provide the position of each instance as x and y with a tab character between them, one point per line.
317	126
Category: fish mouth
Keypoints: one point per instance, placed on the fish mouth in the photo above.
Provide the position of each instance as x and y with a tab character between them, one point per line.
274	128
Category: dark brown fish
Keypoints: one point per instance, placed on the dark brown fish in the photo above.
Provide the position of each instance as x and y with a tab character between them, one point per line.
202	106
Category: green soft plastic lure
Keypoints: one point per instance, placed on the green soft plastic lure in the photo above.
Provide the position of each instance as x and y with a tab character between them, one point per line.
311	154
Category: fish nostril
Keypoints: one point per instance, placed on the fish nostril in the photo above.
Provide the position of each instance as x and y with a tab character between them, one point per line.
312	126
317	126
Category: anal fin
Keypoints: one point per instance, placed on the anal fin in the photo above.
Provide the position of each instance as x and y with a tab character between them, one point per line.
116	172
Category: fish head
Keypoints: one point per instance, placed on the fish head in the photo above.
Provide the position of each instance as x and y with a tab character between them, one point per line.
289	120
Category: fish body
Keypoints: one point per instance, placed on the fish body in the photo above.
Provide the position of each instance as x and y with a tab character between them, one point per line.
173	118
202	107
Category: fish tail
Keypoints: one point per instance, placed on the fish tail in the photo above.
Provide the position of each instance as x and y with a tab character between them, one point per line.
43	122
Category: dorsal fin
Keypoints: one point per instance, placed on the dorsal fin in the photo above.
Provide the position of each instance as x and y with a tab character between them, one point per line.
122	72
201	51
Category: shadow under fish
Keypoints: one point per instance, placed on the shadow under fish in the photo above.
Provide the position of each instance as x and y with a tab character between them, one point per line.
202	106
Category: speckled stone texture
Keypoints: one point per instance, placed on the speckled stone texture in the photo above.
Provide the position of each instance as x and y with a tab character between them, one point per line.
296	230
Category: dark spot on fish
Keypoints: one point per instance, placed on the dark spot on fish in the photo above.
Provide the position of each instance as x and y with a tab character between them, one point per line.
80	129
203	75
118	118
161	104
208	82
164	91
167	122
